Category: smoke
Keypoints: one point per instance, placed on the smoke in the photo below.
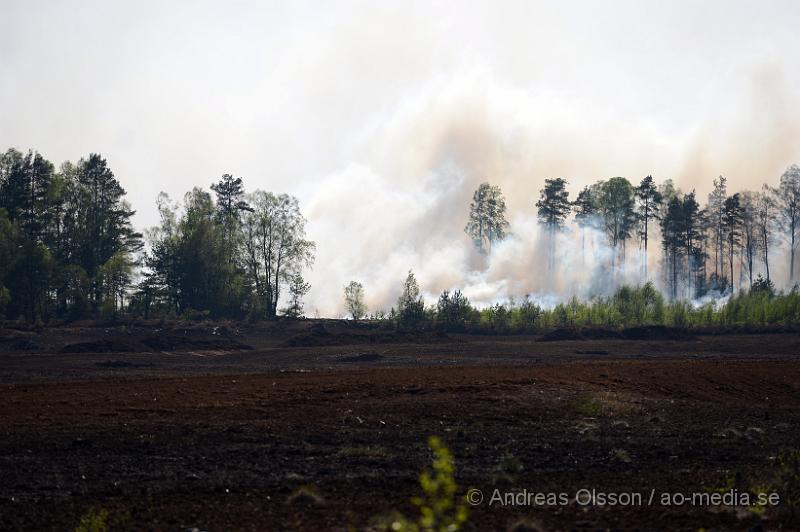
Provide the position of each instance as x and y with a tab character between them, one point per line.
383	117
403	204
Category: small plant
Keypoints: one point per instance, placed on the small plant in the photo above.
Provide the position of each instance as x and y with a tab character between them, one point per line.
586	405
783	479
307	495
507	469
94	520
762	286
621	456
787	482
439	507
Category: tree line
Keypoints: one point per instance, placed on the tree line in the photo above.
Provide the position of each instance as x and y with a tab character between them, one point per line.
719	247
68	249
66	240
627	306
233	254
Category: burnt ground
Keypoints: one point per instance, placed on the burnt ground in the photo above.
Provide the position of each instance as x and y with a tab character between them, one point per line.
323	425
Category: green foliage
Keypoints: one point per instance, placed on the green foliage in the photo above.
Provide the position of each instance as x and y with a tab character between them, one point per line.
298	288
586	405
553	205
440	509
585	207
487	217
615	203
454	311
527	316
410	307
93	520
101	520
56	224
782	478
274	246
649	201
628	306
787	481
354	300
762	286
230	258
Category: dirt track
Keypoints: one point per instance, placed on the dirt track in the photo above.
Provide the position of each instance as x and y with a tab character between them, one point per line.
223	440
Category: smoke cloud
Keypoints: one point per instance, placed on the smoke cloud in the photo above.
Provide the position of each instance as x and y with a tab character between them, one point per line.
383	118
404	205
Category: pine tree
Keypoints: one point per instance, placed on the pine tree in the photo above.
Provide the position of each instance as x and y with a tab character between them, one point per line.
788	200
487	223
649	202
716	213
616	207
298	288
731	227
585	209
553	208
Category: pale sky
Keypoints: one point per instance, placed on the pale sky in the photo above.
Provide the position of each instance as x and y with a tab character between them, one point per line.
382	117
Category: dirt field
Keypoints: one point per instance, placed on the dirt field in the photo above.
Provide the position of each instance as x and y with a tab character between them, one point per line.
323	425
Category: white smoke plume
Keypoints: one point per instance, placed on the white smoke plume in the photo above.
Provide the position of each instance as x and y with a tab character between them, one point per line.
403	204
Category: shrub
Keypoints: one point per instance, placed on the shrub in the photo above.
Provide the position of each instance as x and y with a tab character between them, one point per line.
440	509
454	310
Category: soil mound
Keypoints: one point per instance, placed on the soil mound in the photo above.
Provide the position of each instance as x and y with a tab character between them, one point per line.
111	345
318	335
565	334
362	357
121	364
25	344
644	332
559	335
656	332
176	342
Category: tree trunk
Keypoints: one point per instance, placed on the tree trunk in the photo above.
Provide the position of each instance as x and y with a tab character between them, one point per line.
645	243
791	257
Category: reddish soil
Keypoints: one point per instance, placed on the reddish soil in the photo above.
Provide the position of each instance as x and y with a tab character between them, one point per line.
231	427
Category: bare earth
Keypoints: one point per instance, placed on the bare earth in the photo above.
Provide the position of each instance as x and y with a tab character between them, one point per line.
225	427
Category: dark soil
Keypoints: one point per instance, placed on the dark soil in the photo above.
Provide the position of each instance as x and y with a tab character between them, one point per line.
158	342
657	332
327	437
363	357
188	343
111	345
320	335
644	332
120	364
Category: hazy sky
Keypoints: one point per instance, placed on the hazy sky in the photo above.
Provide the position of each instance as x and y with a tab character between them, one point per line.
384	116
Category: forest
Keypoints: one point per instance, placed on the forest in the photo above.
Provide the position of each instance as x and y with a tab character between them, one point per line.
68	250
